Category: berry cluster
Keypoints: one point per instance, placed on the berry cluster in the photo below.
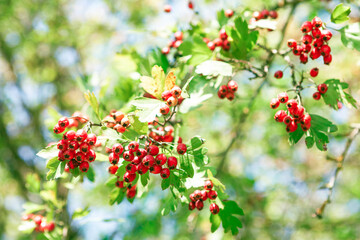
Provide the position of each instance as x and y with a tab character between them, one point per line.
322	89
161	134
74	121
117	120
256	16
296	113
178	37
141	160
221	41
41	224
76	148
228	90
199	196
172	98
314	42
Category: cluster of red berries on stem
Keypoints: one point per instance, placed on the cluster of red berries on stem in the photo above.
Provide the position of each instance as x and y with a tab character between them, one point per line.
76	149
141	160
117	120
314	42
322	89
222	41
178	39
172	98
228	91
296	113
199	196
41	224
161	134
256	16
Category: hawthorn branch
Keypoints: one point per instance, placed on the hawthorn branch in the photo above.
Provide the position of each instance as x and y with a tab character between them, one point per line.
340	162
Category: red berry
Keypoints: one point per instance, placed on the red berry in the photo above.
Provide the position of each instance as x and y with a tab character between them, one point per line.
322	88
91	139
117	148
177	43
136	160
208	185
63	122
230	96
133	146
69	154
211	45
171	101
229	13
58	129
70	135
62	144
204	195
130	193
316	95
131	168
119	184
191	206
306	119
165	50
172	162
191	5
148	161
280	115
339	105
212	194
153	150
292	103
84	166
181	148
304	58
155	169
37	219
128	156
113	169
84	147
318	43
287	120
232	86
325	50
274	103
327	59
316	22
129	177
80	157
316	33
199	204
278	74
291	127
81	135
91	156
119	128
306	27
298	50
141	169
74	145
226	45
214	208
326	35
283	97
257	15
307	39
165	95
49	226
165	173
273	14
160	159
167	8
315	53
307	48
222	34
314	72
176	91
114	158
178	35
291	43
298	112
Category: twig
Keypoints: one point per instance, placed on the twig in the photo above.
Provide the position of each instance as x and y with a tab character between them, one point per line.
331	184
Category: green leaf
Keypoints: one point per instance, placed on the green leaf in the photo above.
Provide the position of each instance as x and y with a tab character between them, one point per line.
319	129
114	195
309	141
32	207
170	205
340	14
295	136
229	221
336	93
80	212
27	227
350	36
196	142
49	152
90	174
91	98
111	182
222	19
194	102
145	178
53	163
215	222
197	48
165	183
215	181
186	165
139	127
122	169
148	108
322	124
214	68
33	183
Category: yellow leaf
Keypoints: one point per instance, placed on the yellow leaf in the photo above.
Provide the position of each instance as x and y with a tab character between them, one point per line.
157	84
170	81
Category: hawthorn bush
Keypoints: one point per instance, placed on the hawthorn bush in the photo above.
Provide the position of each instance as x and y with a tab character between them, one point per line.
200	129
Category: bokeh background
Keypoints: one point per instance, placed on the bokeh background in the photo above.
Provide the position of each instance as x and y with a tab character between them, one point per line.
52	51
